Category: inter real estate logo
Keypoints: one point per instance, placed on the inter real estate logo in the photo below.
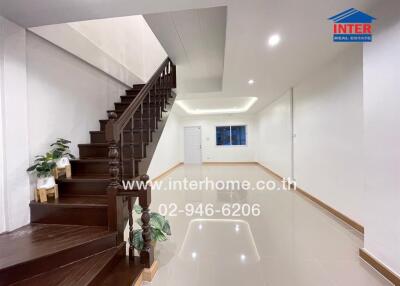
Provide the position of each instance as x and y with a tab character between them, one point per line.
352	26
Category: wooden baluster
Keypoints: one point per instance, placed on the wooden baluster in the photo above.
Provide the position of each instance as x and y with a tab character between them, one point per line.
141	140
150	115
132	148
169	74
114	171
147	253
156	102
173	76
130	219
122	156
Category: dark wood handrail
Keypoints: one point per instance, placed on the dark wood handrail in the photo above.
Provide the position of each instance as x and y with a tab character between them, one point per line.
114	128
122	164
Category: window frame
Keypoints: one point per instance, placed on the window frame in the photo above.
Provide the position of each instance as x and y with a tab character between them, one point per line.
230	135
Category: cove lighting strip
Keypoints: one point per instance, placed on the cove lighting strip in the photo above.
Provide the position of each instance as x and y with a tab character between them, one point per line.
198	111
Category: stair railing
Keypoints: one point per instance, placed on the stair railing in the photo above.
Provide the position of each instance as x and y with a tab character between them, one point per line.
122	162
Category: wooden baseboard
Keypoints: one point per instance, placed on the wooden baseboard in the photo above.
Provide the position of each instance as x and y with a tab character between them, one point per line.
268	170
229	163
333	211
139	280
380	267
167	172
149	273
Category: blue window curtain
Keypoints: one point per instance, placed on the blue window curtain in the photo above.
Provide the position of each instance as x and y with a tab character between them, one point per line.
223	135
231	135
238	135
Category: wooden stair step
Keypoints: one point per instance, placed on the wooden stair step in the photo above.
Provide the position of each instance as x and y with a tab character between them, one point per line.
97	166
130	96
132	92
38	248
144	122
123	105
71	210
100	150
138	86
87	271
130	136
83	185
125	273
147	112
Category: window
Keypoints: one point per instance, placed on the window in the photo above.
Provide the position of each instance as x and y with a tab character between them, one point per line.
231	135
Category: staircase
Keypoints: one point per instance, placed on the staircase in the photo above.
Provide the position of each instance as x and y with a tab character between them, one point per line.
79	238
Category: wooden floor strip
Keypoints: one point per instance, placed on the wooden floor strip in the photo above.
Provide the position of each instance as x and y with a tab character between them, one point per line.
330	209
381	268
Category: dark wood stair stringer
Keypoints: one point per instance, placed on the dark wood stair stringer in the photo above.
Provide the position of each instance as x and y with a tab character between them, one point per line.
77	239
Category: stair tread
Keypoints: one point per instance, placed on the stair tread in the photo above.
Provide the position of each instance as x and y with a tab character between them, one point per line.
125	272
96	160
74	200
137	86
126	131
106	144
114	110
41	240
86	178
80	272
137	119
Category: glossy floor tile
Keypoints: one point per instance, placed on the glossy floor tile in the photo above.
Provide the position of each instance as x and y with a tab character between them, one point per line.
291	242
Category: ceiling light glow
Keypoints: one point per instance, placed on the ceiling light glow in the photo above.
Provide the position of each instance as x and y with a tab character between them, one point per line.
198	111
274	40
251	81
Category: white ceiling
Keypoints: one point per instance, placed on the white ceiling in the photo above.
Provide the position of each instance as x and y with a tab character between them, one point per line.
195	38
306	45
31	13
195	41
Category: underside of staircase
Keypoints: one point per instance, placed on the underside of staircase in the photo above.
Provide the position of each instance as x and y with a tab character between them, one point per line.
78	239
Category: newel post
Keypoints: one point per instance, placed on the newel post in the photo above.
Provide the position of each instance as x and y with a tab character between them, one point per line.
114	170
147	253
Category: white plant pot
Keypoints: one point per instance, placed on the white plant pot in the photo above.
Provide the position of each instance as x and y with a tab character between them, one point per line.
45	182
62	162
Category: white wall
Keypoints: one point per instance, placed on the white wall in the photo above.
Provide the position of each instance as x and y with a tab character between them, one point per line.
67	96
328	128
274	136
213	153
66	37
328	134
14	156
124	47
168	151
382	137
129	40
2	163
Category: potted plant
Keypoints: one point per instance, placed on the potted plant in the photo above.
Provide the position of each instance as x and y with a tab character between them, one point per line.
61	153
160	229
43	167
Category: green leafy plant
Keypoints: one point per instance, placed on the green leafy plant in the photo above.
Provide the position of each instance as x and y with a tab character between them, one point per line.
160	229
43	165
61	149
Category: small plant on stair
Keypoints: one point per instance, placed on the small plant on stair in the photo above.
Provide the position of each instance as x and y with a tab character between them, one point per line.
61	153
159	227
43	167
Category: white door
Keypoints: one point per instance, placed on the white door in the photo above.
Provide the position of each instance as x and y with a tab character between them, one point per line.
192	145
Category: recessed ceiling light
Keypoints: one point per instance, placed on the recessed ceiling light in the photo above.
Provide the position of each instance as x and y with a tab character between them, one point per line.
274	40
251	81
